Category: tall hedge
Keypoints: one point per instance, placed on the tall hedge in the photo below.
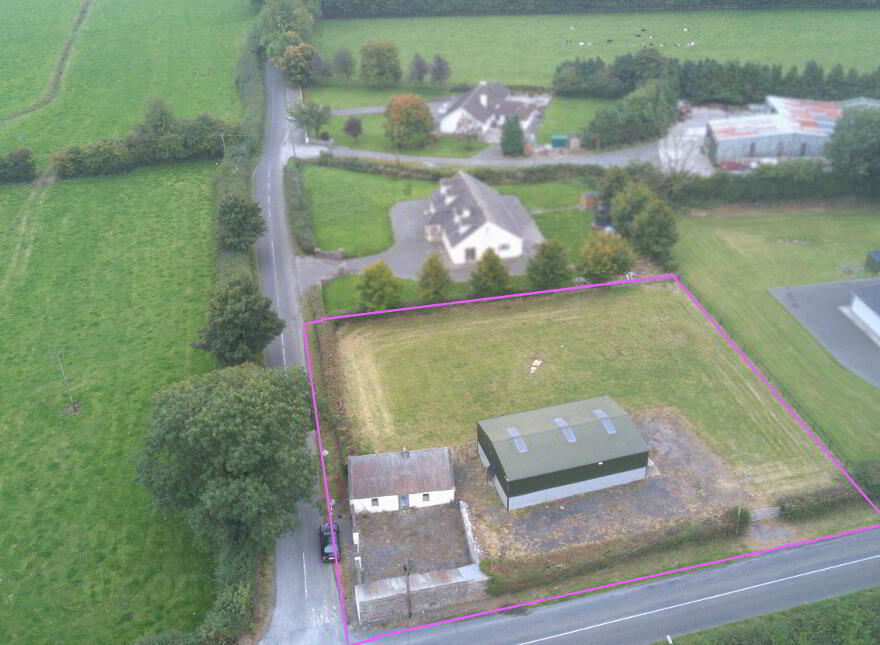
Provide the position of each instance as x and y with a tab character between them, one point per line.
298	208
643	114
18	165
394	8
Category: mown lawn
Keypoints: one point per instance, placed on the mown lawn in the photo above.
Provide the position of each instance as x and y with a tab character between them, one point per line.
117	274
354	94
128	52
568	116
351	210
734	260
25	28
424	380
526	49
373	138
571	227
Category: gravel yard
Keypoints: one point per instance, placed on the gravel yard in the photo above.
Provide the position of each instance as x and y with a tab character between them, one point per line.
687	482
431	538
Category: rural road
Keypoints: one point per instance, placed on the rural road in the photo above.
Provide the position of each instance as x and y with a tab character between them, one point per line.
306	610
647	613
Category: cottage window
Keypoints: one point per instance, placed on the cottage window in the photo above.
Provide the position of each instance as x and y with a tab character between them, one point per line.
426	497
470	254
374	501
504	247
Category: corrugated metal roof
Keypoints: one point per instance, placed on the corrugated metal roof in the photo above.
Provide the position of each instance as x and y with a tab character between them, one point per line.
392	473
549	449
790	116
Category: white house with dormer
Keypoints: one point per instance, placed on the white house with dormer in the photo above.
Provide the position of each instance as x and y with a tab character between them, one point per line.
468	217
482	112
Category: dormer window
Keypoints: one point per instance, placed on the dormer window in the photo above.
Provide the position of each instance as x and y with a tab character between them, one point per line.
448	200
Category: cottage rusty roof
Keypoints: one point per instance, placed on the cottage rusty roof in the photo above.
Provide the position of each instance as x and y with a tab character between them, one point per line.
395	473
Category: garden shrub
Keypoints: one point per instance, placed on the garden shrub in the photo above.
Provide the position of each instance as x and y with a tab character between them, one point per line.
643	114
298	208
18	165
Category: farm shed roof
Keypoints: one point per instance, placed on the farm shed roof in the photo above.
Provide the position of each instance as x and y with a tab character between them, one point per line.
463	204
859	102
399	473
563	436
870	296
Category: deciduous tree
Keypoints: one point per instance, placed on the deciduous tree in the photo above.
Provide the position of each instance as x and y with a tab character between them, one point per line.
343	63
380	63
297	64
627	203
310	116
418	69
434	280
378	288
440	71
490	277
655	232
219	451
548	268
855	146
605	256
240	322
239	223
408	121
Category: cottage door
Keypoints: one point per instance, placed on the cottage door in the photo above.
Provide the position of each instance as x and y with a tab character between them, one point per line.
403	502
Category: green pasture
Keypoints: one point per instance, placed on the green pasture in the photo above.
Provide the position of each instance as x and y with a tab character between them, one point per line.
424	380
526	49
350	210
25	28
568	116
125	54
373	138
733	261
117	274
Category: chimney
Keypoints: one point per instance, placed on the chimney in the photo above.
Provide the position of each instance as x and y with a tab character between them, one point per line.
484	100
405	453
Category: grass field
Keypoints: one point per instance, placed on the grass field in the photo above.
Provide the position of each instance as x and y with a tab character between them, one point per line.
351	95
568	116
526	49
424	380
115	272
373	138
126	53
24	28
350	210
733	260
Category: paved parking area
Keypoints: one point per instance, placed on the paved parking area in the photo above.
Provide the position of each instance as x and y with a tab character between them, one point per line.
818	308
431	538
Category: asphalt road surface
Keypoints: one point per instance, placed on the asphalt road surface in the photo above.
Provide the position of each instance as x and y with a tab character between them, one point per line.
306	607
648	613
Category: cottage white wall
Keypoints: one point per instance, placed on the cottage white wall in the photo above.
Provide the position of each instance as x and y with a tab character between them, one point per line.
487	236
449	121
435	498
387	503
866	314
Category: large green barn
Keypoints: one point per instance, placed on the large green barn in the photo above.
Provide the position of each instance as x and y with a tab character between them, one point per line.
562	450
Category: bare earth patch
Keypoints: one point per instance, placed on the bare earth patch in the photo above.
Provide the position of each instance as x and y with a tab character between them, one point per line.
692	484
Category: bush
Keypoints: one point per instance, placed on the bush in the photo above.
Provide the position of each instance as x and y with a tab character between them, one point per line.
298	208
380	63
643	114
18	165
409	122
803	506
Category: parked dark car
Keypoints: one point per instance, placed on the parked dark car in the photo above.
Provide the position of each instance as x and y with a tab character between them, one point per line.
326	540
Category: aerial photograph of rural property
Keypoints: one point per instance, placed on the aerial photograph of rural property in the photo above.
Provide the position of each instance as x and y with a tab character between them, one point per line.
440	322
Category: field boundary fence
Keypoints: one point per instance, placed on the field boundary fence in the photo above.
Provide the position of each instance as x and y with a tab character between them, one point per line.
822	432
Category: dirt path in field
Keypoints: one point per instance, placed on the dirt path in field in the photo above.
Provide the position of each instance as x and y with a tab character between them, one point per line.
57	76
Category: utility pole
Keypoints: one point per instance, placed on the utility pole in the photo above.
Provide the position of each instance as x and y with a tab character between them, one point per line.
406	568
57	354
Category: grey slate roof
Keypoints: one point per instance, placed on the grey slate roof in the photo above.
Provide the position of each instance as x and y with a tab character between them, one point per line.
870	296
497	103
392	473
547	448
483	203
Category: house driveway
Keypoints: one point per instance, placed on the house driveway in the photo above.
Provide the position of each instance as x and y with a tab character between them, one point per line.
406	255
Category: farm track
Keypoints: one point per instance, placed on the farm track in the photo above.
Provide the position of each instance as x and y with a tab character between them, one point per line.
51	92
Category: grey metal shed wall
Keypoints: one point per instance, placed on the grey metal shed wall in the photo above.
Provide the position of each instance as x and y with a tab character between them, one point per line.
575	475
775	145
578	488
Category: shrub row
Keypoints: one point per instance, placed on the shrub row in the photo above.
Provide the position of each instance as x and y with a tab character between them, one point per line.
298	208
380	8
509	575
153	142
522	174
802	506
643	114
709	80
18	165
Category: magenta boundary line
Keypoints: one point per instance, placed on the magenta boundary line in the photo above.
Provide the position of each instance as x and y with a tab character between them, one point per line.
719	330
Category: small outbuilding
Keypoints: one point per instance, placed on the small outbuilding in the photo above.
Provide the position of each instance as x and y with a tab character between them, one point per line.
872	262
866	307
562	450
392	481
